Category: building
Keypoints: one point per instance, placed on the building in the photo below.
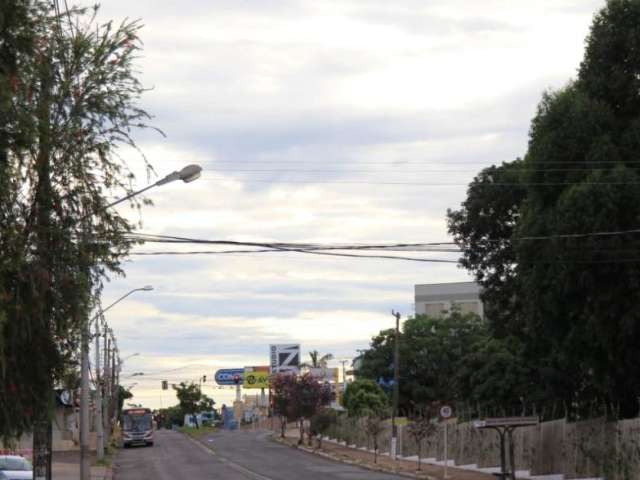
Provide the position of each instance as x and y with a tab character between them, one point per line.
436	299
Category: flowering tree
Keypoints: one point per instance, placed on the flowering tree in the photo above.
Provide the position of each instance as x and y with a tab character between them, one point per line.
297	398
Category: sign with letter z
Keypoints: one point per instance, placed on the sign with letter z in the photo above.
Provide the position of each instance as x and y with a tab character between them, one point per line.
285	358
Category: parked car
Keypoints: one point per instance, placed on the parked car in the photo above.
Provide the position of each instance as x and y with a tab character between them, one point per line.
14	467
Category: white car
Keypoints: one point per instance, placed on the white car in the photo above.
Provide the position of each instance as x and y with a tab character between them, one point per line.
14	467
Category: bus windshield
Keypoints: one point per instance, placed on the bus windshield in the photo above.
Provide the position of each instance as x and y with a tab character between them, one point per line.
136	421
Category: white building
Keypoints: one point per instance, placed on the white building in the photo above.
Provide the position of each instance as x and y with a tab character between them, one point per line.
435	299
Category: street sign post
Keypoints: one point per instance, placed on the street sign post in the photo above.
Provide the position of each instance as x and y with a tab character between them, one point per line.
445	413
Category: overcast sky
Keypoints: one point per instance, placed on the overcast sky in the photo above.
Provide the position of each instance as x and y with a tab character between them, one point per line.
325	121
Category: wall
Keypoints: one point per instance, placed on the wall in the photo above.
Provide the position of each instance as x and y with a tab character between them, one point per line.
586	449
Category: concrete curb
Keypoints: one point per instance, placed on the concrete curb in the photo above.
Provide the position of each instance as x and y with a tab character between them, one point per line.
366	465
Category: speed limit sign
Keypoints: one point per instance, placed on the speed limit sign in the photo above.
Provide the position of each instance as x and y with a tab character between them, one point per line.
445	411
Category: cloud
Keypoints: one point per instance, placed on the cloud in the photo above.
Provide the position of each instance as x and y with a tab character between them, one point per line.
323	121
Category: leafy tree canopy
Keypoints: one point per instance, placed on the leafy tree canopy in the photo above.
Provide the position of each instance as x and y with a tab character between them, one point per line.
363	397
570	298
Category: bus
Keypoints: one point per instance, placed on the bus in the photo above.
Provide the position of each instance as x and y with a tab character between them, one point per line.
137	427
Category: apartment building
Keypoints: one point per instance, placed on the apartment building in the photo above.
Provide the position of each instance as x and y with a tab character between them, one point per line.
436	299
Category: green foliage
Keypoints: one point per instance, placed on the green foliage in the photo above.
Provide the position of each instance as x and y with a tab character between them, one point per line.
69	96
483	228
317	361
122	394
569	303
189	395
172	416
363	397
322	420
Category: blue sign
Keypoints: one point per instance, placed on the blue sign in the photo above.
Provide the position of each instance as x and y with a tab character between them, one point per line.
228	376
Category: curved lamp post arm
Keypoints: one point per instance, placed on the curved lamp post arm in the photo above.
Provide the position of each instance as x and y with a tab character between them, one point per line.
187	174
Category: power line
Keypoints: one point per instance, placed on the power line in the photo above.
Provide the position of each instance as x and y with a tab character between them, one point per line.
310	252
412	162
418	184
348	170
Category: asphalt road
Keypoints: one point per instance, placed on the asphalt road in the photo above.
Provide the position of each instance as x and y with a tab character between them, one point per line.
232	456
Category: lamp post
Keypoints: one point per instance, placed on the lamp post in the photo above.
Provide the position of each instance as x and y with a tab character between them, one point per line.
187	174
84	399
396	389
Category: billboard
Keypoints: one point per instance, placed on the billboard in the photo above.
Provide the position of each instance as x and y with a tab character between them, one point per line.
256	377
325	374
284	358
227	376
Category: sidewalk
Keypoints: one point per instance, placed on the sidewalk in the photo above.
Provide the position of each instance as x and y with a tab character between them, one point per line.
66	466
384	464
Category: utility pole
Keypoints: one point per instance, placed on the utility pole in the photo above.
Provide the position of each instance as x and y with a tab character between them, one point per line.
84	405
115	386
344	375
396	386
107	388
99	386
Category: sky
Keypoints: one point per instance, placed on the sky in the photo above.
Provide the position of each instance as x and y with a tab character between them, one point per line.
351	121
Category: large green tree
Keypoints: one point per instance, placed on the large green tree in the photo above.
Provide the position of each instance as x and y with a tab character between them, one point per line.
364	396
451	359
575	295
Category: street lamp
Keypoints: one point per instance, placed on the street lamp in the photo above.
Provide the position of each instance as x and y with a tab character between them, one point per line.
84	399
188	174
146	288
121	360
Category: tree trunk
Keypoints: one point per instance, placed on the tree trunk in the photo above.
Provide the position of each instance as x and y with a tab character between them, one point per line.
45	250
42	446
301	439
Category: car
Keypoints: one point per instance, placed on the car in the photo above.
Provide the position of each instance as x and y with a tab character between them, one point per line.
15	467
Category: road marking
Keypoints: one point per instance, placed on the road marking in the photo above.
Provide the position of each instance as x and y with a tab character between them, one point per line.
234	466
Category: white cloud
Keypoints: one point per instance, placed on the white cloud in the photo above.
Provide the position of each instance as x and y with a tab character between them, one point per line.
356	93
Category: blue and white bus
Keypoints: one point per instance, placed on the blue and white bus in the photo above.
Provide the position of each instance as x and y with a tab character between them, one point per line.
137	427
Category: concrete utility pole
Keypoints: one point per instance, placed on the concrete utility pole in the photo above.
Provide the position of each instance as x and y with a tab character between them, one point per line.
396	386
106	401
344	375
99	386
84	405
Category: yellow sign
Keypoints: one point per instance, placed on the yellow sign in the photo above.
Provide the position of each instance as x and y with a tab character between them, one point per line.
256	377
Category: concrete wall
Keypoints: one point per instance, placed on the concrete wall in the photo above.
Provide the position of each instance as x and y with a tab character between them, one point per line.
586	449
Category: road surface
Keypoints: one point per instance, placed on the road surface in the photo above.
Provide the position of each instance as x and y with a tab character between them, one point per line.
235	456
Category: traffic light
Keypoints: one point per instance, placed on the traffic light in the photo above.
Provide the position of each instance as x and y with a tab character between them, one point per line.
165	385
236	379
204	379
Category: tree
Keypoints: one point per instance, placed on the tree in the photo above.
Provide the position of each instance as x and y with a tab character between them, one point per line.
296	398
575	295
483	229
422	425
432	352
191	400
373	427
317	361
121	395
71	97
363	396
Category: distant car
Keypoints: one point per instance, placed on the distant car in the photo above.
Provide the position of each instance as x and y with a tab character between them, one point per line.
14	467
